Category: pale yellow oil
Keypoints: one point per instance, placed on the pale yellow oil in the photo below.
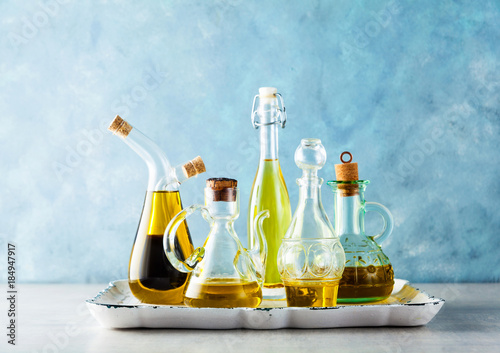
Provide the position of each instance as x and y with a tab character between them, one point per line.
223	293
152	279
312	294
269	192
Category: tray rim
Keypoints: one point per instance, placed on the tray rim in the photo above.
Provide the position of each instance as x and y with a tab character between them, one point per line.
432	301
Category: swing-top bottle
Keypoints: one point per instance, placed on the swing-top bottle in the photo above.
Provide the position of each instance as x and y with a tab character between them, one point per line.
269	190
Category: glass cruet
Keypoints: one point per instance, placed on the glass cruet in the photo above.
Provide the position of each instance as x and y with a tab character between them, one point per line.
311	258
269	190
223	273
368	274
152	279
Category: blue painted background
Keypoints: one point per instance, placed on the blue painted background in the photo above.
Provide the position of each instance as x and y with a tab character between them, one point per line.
410	88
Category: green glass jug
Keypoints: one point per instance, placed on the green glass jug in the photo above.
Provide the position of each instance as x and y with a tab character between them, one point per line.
368	274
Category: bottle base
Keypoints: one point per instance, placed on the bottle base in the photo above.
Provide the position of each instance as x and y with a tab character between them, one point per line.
223	294
317	294
154	296
364	293
360	300
274	292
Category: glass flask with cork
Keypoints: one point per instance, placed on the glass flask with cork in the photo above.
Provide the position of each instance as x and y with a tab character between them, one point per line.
368	274
223	273
311	258
269	190
152	278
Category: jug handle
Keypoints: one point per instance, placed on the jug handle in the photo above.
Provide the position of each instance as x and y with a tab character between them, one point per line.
386	216
170	236
258	252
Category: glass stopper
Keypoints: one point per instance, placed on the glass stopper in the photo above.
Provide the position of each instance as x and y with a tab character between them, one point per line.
310	155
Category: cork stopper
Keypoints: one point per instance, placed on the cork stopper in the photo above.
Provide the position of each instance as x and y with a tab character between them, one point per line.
194	167
347	171
120	127
223	189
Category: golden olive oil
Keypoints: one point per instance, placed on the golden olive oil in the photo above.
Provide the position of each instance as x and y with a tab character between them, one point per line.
152	279
365	284
269	192
222	293
311	294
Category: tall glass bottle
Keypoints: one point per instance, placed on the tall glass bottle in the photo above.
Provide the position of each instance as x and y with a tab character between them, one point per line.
311	258
152	279
269	190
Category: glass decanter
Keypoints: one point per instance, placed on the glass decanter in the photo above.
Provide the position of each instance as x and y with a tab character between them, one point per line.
311	258
223	273
152	279
368	275
269	190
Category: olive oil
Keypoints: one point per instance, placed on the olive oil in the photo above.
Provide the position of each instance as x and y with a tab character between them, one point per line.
365	284
269	192
230	293
312	294
152	279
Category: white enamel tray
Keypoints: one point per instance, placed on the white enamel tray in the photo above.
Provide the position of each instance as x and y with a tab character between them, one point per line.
116	307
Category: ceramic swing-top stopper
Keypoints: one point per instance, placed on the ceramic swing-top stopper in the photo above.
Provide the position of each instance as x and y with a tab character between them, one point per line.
310	156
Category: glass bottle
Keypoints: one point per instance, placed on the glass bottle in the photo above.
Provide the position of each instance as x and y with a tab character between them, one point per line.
311	258
152	279
269	191
368	275
223	273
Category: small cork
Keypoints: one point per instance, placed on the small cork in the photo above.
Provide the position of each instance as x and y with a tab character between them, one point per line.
120	127
194	167
347	171
224	189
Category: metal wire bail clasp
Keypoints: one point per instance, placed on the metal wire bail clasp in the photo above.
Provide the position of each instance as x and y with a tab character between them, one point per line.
255	122
281	113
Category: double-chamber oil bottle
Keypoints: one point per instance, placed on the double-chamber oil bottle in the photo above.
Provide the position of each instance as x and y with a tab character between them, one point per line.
152	278
269	190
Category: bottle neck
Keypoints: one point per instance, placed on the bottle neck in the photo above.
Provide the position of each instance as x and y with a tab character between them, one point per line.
269	142
310	188
349	214
161	174
268	122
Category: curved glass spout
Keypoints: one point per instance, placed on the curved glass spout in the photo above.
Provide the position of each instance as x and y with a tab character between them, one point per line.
258	247
162	176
